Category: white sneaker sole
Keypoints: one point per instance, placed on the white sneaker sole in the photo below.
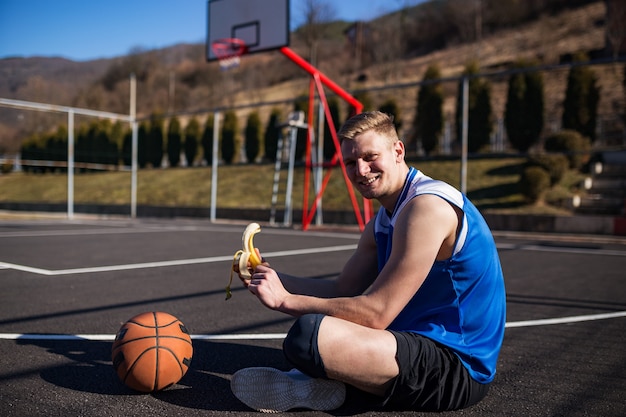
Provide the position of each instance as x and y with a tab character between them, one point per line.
269	390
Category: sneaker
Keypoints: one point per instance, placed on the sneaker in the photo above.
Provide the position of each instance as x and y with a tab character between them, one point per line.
272	391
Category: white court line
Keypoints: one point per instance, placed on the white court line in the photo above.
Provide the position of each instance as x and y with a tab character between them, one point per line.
560	249
161	264
75	232
125	229
178	262
111	337
280	336
566	320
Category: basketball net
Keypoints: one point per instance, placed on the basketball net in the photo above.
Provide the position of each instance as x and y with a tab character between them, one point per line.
228	52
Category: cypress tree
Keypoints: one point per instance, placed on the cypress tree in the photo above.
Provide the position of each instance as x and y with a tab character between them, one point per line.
524	108
28	150
174	142
192	136
127	148
390	106
229	137
81	145
580	107
57	145
142	144
480	129
253	137
535	103
117	139
154	145
428	121
101	142
270	137
479	111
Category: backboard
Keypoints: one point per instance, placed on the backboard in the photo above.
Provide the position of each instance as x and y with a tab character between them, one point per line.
262	24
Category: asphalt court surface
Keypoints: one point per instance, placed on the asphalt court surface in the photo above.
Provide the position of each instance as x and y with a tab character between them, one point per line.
67	286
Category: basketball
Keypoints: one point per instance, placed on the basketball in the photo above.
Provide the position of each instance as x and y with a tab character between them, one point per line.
151	351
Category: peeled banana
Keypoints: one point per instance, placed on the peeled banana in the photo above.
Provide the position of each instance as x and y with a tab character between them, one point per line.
246	255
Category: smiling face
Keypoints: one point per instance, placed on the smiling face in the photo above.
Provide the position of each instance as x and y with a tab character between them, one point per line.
375	165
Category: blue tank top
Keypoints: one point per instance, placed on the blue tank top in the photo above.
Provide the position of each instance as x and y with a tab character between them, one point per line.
462	302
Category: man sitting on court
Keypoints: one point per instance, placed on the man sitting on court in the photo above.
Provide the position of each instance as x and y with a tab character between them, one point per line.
416	317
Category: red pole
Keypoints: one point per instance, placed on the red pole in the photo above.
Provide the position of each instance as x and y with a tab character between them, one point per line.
318	77
324	79
337	157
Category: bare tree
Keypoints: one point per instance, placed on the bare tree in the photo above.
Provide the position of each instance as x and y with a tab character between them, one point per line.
615	27
387	49
391	38
316	14
467	17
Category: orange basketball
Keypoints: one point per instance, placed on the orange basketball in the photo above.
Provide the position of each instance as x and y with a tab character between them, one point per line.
151	351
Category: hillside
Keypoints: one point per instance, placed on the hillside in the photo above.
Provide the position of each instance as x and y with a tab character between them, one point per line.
179	80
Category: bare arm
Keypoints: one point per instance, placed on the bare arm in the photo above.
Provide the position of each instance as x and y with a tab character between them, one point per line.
357	275
426	227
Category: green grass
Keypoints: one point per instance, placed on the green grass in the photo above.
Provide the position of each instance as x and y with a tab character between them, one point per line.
491	185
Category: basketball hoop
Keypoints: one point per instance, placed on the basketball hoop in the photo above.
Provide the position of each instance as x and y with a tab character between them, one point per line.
228	51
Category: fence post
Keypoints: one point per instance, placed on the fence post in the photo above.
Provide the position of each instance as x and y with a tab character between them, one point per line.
70	164
464	135
134	146
216	133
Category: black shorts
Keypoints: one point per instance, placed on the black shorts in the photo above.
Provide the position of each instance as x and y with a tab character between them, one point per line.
432	377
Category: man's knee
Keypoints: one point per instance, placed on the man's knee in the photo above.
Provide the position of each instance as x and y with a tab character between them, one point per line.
300	345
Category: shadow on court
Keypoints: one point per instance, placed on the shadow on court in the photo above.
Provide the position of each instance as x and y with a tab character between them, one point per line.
89	370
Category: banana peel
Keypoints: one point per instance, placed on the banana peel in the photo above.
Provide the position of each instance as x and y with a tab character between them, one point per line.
246	255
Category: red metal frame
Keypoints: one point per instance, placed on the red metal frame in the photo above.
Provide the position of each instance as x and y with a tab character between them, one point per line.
318	80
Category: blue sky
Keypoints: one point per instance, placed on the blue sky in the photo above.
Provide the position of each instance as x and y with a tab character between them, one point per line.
89	29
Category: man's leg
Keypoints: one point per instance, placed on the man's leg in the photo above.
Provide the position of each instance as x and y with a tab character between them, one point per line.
334	351
360	356
331	352
327	347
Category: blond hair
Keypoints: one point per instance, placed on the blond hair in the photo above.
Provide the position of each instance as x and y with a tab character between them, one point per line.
376	121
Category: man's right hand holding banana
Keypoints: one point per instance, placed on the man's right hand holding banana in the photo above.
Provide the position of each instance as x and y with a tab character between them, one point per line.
246	259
